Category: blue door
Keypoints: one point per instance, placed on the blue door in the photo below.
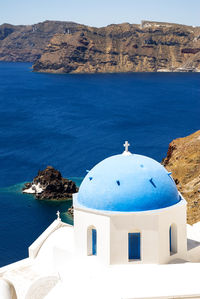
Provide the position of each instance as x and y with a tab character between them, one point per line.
94	242
134	246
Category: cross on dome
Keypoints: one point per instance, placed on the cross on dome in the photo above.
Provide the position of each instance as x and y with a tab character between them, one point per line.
126	145
126	152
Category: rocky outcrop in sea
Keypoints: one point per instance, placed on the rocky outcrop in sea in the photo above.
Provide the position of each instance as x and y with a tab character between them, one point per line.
50	185
183	160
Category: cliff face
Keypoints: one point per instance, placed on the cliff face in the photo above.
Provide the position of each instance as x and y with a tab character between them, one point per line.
123	48
67	47
183	160
26	43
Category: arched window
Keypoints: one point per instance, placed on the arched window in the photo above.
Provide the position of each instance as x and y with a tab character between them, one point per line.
173	239
91	241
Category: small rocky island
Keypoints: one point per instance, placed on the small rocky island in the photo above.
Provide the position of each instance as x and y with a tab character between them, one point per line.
50	185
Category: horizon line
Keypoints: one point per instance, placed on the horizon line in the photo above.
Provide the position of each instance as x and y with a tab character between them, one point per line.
150	21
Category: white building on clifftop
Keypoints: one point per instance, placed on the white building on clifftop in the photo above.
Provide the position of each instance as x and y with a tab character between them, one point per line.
129	240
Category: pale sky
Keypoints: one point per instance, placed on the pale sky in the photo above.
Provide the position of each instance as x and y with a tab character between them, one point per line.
100	12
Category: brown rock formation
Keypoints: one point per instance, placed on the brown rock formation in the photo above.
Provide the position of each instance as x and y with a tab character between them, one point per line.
183	160
26	43
123	48
49	184
67	47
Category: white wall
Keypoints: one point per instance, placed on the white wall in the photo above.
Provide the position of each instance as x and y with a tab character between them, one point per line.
113	228
41	287
82	221
38	243
7	290
144	222
174	215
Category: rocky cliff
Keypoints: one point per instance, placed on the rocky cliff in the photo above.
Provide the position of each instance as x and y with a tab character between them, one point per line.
183	160
67	47
26	43
148	47
50	185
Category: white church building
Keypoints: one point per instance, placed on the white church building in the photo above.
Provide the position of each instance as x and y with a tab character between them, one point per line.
129	240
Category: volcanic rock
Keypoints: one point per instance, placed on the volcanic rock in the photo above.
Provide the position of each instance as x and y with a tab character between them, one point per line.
183	160
149	47
26	43
49	184
68	47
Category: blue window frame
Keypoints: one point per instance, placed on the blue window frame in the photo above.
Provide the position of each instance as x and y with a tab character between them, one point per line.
170	239
134	246
94	242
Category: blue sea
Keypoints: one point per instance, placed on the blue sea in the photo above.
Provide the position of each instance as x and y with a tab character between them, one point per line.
74	121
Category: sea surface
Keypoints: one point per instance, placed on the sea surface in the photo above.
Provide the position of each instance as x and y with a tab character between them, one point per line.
72	122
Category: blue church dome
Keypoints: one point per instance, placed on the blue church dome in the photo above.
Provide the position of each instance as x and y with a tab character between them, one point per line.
128	183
